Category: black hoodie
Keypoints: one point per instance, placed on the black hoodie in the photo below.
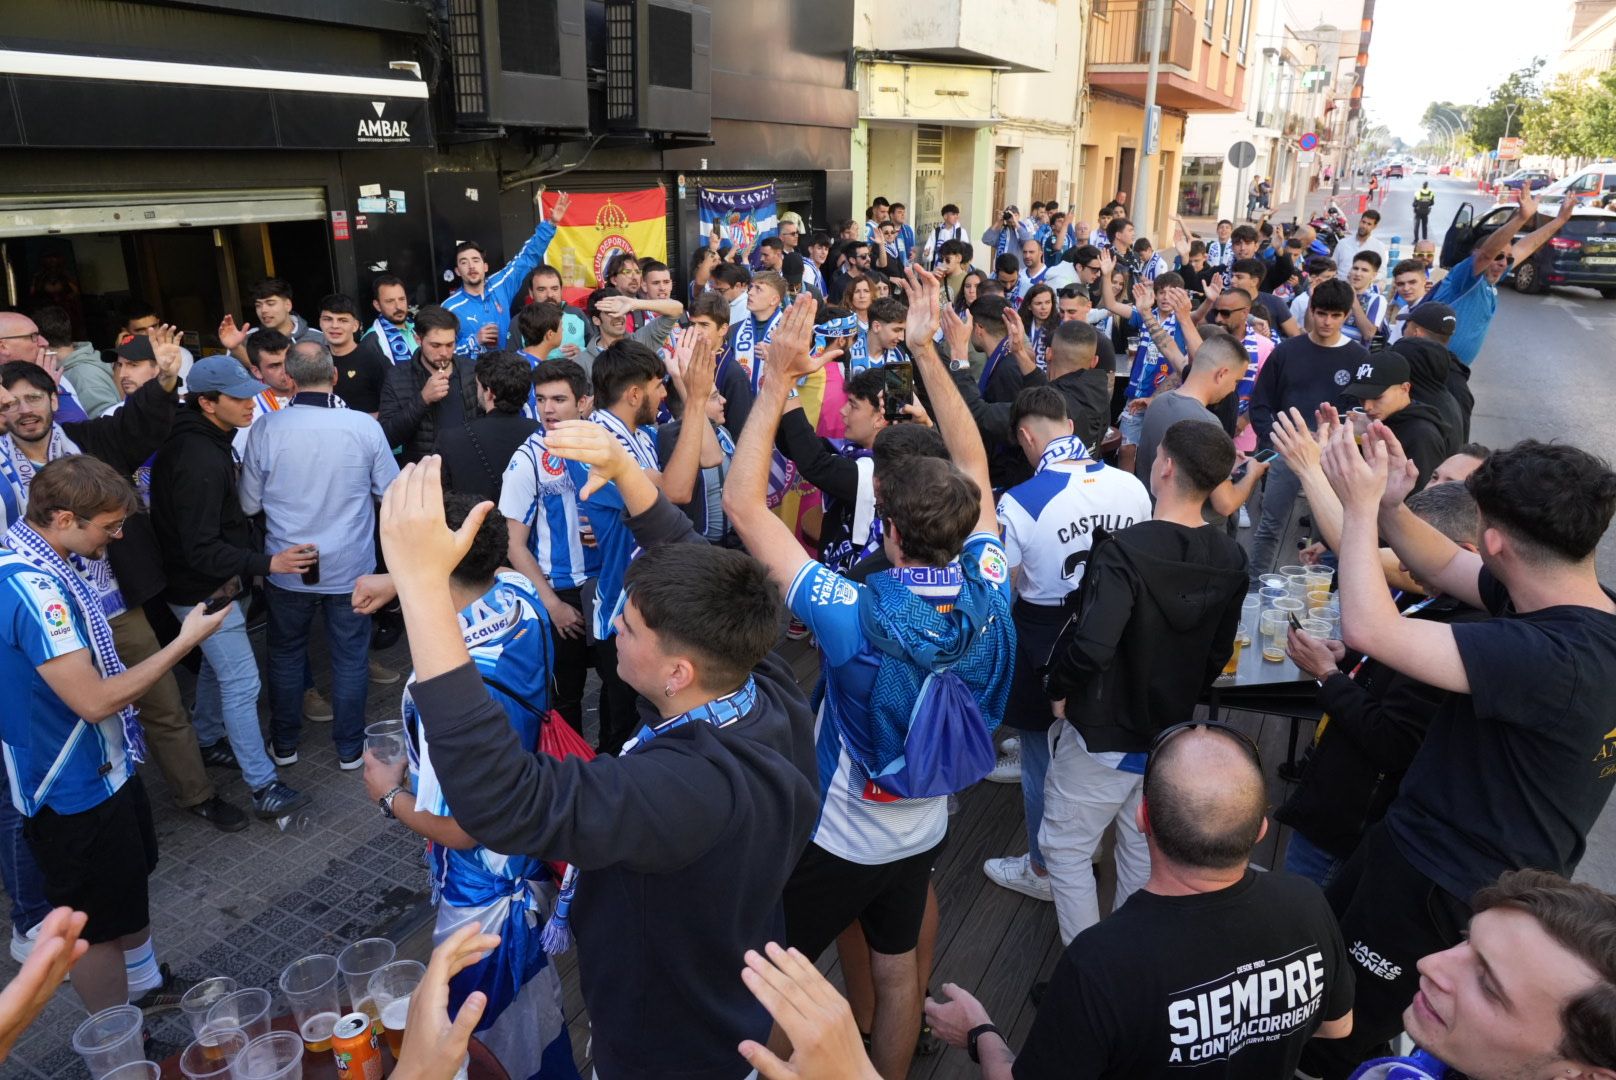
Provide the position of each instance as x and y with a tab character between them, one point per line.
1154	625
1425	435
1429	364
206	537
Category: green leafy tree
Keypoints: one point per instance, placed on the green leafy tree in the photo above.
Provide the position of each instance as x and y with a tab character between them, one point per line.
1556	124
1506	106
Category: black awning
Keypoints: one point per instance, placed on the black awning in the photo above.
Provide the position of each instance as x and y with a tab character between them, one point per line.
223	109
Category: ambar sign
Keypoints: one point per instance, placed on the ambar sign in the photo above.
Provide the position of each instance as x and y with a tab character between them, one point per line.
381	129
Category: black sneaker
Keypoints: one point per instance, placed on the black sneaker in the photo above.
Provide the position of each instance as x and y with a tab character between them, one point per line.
164	998
220	755
221	815
278	800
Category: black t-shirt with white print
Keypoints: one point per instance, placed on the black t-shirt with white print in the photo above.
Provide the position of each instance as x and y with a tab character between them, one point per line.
1225	984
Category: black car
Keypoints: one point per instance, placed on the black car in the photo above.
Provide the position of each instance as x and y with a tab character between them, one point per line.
1582	253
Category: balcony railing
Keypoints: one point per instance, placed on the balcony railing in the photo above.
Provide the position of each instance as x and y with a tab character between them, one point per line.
1122	36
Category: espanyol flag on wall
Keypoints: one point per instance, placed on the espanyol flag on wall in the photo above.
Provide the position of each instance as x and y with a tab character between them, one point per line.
742	216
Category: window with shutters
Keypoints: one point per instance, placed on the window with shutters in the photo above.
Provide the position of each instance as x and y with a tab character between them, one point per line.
928	146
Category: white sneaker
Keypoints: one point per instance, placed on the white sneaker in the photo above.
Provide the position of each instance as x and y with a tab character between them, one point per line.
22	946
1012	745
1245	519
1008	770
1014	872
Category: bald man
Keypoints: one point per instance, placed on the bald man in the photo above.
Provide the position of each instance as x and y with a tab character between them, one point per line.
20	339
1210	961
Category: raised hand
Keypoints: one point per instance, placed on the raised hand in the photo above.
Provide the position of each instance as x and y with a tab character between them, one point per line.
701	371
56	949
1401	473
925	296
1144	296
1359	483
165	341
956	332
591	444
231	337
1179	301
1214	287
615	305
1108	261
434	1045
789	350
1294	442
421	549
825	1042
559	211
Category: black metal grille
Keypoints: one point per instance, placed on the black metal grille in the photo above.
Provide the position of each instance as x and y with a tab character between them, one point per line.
466	57
620	103
527	37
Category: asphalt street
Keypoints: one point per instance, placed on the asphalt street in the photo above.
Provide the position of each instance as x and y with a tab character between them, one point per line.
1544	373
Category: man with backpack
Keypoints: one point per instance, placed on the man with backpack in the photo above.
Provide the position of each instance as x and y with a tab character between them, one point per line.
1154	623
917	659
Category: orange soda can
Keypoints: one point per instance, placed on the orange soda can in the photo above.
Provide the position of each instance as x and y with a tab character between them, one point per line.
354	1046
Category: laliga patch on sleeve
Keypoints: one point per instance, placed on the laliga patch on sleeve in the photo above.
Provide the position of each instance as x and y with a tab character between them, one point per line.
994	566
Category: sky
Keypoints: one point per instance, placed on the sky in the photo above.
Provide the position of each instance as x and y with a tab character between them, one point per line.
1452	50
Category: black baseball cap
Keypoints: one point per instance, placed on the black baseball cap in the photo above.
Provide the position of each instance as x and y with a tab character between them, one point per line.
137	349
1381	370
1437	318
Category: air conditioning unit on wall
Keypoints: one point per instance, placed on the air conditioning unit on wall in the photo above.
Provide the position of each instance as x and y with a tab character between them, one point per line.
659	66
520	63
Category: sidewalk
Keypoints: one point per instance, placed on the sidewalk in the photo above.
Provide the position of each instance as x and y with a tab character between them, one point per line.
1206	228
247	904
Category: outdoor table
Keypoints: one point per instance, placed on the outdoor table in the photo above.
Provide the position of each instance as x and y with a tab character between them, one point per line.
1267	686
322	1066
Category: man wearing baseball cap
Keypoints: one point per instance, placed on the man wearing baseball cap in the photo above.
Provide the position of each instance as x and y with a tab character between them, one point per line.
1385	386
1432	363
1439	323
212	548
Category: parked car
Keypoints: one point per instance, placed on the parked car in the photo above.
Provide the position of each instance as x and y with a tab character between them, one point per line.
1445	170
1582	253
1421	168
1537	178
1394	172
1594	182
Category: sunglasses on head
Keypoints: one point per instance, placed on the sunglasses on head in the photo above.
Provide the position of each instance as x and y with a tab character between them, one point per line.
1167	735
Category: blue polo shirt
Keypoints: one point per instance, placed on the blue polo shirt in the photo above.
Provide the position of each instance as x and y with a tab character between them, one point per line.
1474	301
53	757
541	491
499	290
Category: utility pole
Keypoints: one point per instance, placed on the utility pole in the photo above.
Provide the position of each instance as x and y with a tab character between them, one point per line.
1141	186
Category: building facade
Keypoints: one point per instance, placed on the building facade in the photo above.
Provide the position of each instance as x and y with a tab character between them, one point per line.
357	137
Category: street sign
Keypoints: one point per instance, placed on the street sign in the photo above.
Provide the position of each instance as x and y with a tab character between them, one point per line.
1153	131
1242	154
1304	160
1509	149
1310	141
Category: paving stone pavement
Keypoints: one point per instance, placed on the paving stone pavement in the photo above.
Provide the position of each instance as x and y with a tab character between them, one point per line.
247	904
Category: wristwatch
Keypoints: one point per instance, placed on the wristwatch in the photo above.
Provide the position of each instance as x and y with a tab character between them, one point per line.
975	1034
386	802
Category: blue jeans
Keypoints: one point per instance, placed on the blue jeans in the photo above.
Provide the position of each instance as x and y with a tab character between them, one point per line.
1034	766
24	881
347	636
1307	859
1280	488
227	696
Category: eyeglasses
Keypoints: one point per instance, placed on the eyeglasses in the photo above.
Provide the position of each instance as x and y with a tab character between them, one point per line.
33	335
1224	313
1092	267
1166	735
113	530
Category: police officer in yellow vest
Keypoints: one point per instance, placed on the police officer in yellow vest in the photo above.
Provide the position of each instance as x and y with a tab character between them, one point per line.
1424	199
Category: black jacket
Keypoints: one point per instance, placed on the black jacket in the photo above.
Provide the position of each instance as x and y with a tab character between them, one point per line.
1426	437
1378	719
719	814
1154	624
1007	464
410	423
475	456
837	476
205	535
1430	363
125	440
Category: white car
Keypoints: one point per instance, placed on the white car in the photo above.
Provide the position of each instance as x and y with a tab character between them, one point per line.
1594	182
1420	169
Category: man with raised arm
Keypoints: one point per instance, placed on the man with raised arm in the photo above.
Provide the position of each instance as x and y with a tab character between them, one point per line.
943	607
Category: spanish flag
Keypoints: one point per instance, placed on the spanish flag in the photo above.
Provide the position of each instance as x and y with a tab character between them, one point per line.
598	226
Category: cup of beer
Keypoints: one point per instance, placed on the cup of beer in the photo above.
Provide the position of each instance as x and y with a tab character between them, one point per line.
384	739
390	989
245	1009
210	1056
311	989
1273	626
276	1056
1232	666
203	997
1249	608
359	961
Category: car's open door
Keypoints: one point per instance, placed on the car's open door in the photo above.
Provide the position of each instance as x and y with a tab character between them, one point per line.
1461	236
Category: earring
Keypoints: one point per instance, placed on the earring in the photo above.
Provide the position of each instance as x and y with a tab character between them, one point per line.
667	691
